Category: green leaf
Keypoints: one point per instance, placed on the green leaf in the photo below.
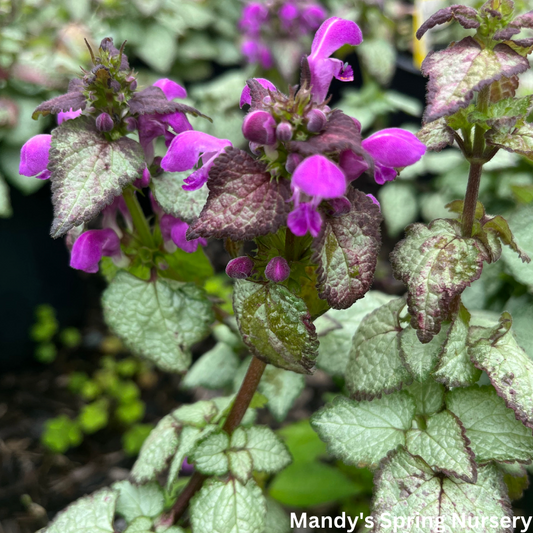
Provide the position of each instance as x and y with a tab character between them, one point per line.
198	414
303	443
269	453
229	507
463	68
86	515
244	201
159	320
521	309
281	388
276	326
139	500
494	432
436	135
436	263
241	465
158	49
379	58
88	171
61	433
168	191
134	437
308	484
277	520
420	359
512	137
346	252
442	444
336	328
429	397
399	206
407	488
455	368
375	366
142	524
209	456
362	433
214	370
94	416
500	227
510	370
521	221
506	108
193	266
156	451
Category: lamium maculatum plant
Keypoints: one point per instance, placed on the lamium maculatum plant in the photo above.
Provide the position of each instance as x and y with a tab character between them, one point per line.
439	401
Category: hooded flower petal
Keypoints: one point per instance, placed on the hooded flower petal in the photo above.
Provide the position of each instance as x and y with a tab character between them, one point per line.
34	157
394	147
319	177
305	218
67	115
332	34
353	165
171	88
259	127
186	148
312	16
246	97
177	121
91	246
174	229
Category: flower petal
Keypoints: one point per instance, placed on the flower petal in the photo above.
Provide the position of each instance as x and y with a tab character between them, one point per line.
91	246
305	218
174	229
394	147
184	151
67	115
319	177
171	88
383	173
332	34
246	97
353	165
34	155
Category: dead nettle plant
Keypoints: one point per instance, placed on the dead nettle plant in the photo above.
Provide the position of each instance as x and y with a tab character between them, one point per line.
441	399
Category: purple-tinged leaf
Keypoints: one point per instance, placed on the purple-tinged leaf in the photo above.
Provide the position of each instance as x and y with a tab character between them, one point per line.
510	370
374	366
436	135
153	100
73	100
464	15
255	91
244	202
522	21
346	252
276	326
341	133
408	490
88	171
436	263
507	135
500	227
462	69
503	88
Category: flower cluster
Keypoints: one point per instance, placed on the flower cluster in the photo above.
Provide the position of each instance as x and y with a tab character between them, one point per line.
266	23
107	98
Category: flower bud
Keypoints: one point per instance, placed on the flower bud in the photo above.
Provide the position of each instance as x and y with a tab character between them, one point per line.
293	160
144	181
284	131
255	148
133	82
277	270
240	267
316	120
260	127
104	122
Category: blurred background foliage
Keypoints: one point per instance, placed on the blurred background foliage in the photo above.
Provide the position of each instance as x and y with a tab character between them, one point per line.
108	394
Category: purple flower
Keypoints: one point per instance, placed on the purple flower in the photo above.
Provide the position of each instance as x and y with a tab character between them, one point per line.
104	122
390	148
173	229
332	34
246	97
321	179
277	270
374	200
110	212
34	157
257	52
144	181
288	15
254	15
67	115
259	127
171	89
152	126
184	153
240	267
91	246
312	16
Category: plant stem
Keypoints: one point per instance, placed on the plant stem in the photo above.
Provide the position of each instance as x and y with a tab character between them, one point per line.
139	220
238	409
